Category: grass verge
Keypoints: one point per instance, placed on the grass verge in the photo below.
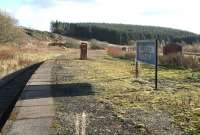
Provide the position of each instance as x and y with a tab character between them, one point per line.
14	58
178	94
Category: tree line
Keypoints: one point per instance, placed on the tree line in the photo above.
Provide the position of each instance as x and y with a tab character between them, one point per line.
187	39
116	33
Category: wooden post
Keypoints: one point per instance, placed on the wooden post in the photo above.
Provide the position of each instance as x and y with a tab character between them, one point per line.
136	64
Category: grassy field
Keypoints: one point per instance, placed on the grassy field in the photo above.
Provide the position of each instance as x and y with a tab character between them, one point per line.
113	80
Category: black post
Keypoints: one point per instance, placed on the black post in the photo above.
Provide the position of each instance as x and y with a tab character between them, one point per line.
156	67
136	64
136	69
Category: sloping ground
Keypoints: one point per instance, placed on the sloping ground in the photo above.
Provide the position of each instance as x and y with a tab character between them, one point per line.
99	96
35	46
44	38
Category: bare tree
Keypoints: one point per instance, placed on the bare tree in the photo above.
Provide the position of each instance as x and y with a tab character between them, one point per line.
9	32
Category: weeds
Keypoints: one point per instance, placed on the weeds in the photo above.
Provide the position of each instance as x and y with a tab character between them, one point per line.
192	48
120	53
173	60
114	83
13	58
96	45
178	60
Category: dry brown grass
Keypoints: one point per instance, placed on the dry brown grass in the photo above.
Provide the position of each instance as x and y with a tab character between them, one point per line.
117	52
13	58
192	48
178	94
5	54
174	60
177	60
97	45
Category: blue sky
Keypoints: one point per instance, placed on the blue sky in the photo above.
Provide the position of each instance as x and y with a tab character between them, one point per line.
6	4
37	14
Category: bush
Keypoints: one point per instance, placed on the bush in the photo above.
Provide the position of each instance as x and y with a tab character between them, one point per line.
6	54
129	56
115	52
180	61
118	53
191	62
192	48
66	44
8	30
95	45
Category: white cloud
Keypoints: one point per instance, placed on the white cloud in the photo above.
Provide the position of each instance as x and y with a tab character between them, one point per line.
40	3
181	14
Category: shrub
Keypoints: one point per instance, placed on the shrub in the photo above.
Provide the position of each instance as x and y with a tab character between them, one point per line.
22	62
95	45
8	30
118	53
129	56
192	48
191	62
5	55
115	52
66	44
180	61
172	60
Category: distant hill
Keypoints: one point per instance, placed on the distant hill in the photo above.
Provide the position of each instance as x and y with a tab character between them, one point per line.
116	33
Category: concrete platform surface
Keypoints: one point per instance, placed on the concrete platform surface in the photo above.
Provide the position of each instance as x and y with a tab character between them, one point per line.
36	107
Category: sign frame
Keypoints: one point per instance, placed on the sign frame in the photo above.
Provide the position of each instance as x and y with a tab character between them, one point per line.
142	53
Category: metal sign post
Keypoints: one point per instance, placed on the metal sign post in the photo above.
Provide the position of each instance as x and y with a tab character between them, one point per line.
136	69
147	52
156	66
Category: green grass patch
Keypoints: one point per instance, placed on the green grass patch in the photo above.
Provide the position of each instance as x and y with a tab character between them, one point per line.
114	82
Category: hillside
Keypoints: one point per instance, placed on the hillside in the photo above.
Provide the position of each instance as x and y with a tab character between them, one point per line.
116	33
12	34
188	39
44	35
35	38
